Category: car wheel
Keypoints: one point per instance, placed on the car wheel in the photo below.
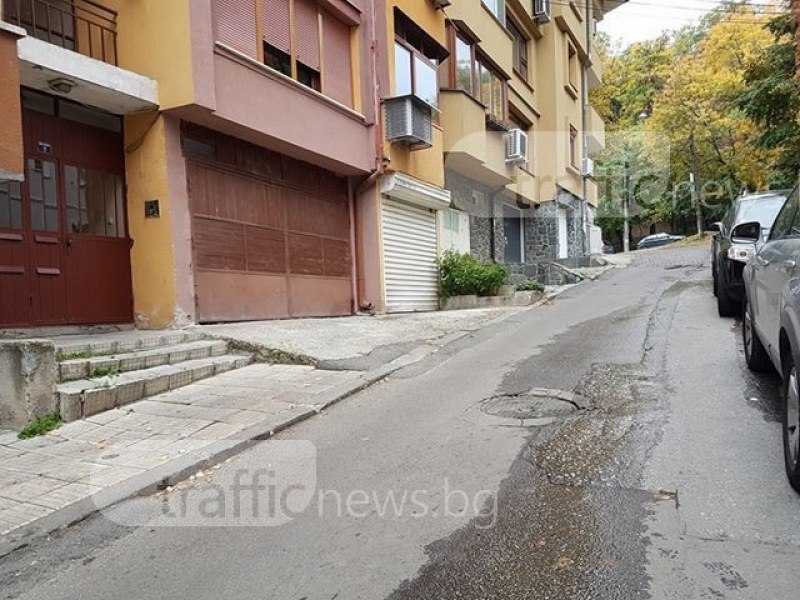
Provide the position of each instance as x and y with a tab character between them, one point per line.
714	275
725	306
754	352
791	424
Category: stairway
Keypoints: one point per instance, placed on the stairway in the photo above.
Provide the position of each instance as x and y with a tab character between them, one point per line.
104	373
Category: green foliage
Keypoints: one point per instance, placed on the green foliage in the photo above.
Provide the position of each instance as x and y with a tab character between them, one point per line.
111	371
40	426
464	275
73	356
530	286
772	100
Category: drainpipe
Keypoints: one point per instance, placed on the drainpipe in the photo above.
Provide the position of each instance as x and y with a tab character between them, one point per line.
354	192
585	118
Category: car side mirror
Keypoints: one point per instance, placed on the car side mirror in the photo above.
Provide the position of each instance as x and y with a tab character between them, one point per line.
715	227
747	233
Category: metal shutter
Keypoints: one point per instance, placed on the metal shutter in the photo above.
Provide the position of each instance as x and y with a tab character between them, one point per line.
409	245
306	26
277	27
236	25
337	80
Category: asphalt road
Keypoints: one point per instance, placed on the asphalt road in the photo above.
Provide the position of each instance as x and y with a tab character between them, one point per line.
646	464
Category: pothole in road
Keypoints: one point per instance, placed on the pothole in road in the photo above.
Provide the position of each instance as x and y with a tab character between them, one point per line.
535	404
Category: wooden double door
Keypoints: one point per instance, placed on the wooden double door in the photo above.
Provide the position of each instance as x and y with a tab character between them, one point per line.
64	246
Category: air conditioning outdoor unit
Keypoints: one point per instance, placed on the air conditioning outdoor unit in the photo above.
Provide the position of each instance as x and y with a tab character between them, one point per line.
409	122
516	146
542	10
588	167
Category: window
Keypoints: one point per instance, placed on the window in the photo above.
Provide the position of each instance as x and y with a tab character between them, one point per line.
572	66
464	65
783	223
316	32
43	195
451	220
416	61
10	205
491	91
94	202
573	146
520	50
277	59
497	8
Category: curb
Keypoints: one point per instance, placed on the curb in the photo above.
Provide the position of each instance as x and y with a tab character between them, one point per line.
182	467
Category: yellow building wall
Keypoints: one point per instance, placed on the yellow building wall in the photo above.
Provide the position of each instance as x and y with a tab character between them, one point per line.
152	255
153	39
426	165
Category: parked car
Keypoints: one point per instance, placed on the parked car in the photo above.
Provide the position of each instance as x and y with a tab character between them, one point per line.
771	314
729	258
658	239
607	248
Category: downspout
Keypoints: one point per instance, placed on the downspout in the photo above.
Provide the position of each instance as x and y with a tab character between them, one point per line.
356	218
585	117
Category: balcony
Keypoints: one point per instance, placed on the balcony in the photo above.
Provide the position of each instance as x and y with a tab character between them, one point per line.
470	149
595	72
80	25
596	128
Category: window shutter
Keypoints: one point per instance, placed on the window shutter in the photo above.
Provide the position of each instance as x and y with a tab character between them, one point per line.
337	79
306	26
236	25
277	28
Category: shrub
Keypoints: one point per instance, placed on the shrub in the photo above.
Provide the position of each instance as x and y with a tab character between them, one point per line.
40	426
530	286
464	275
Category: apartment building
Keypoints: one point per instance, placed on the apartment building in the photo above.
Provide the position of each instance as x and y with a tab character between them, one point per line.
519	132
164	163
182	161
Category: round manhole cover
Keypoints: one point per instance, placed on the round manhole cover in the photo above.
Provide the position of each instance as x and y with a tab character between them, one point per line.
531	405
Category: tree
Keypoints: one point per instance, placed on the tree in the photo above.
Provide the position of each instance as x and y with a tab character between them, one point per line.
772	100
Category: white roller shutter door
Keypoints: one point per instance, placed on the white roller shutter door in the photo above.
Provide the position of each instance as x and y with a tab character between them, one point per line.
410	252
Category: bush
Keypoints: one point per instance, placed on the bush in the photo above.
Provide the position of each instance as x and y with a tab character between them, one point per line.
464	275
530	286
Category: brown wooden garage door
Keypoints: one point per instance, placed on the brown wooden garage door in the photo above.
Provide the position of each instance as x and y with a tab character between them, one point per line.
272	242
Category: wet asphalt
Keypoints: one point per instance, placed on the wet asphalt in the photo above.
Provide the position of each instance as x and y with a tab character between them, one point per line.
609	445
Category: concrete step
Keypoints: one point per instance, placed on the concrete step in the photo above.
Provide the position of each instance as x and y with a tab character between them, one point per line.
98	366
86	397
84	346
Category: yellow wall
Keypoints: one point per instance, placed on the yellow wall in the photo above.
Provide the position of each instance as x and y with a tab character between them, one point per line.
152	255
154	40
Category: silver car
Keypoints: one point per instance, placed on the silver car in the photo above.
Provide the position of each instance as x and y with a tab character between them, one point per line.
771	315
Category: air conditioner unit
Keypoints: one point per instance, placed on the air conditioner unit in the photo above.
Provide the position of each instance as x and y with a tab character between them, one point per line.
440	4
542	10
588	167
516	146
409	122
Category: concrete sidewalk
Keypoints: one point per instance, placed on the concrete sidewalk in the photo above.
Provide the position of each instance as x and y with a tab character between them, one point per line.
51	481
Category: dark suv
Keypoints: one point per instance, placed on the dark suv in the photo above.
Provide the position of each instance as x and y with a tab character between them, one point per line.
729	256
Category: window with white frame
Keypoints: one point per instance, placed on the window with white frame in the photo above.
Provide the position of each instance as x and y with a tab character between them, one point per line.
497	8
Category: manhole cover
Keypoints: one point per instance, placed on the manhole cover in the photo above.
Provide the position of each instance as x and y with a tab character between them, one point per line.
534	404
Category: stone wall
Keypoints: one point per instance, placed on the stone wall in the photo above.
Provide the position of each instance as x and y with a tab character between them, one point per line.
27	382
540	222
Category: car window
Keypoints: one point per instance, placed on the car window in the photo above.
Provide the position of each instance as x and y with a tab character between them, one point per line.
786	217
763	209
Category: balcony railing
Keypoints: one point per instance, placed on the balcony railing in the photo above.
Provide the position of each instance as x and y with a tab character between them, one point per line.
80	25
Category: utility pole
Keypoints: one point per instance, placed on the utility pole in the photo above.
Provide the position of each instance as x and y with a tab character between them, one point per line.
695	182
626	199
